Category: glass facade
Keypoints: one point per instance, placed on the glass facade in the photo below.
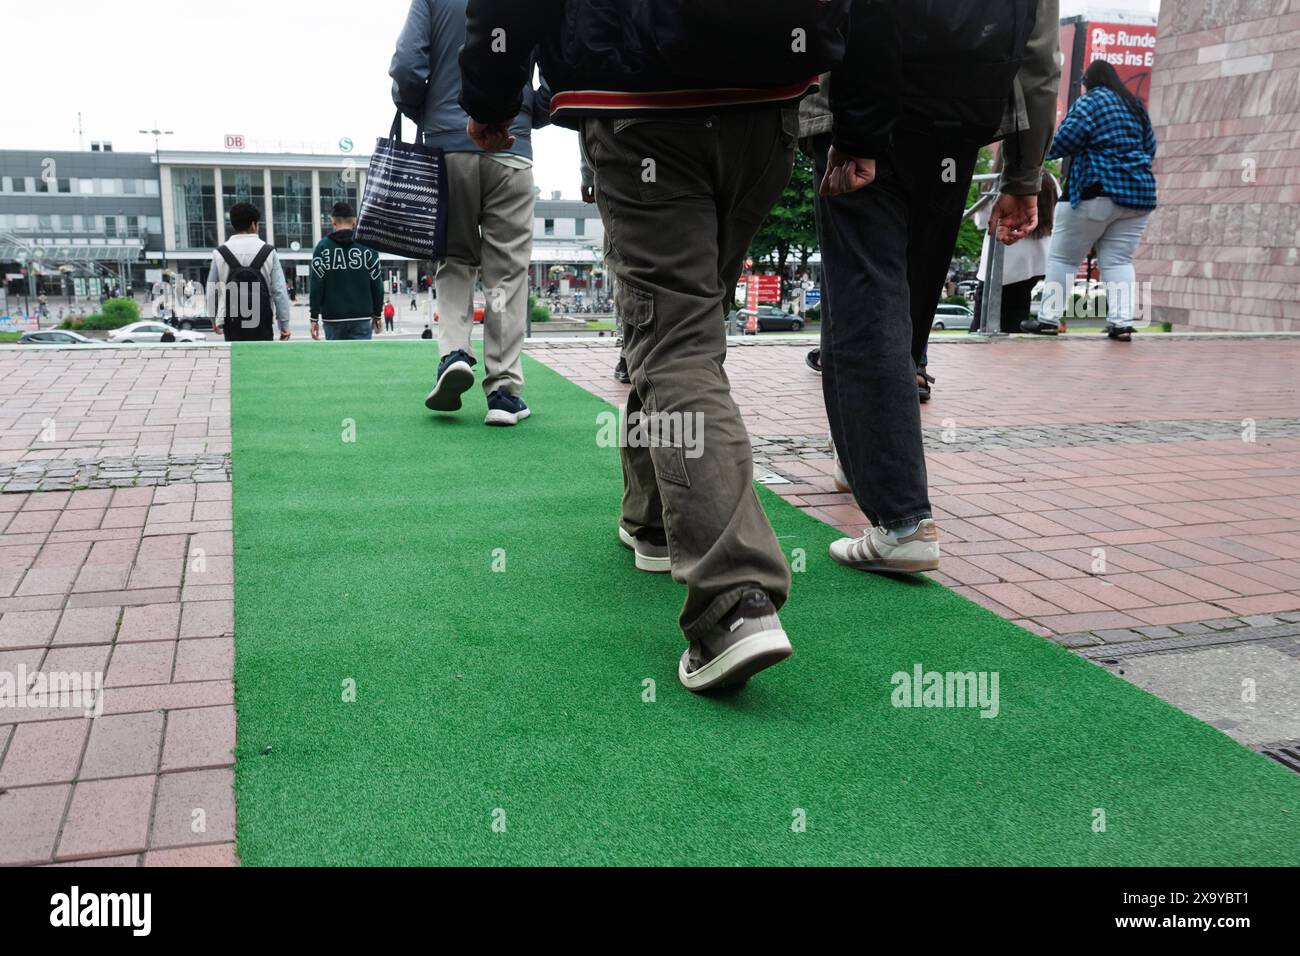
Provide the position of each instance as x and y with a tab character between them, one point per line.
243	185
291	208
195	202
336	186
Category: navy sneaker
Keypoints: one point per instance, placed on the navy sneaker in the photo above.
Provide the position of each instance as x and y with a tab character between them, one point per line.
505	409
455	378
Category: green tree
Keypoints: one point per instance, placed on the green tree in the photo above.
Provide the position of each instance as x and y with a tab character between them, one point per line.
970	240
790	229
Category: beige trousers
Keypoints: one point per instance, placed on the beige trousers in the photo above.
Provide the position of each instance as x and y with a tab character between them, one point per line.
489	233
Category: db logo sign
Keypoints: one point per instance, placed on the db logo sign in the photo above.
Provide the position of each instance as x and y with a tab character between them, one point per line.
234	142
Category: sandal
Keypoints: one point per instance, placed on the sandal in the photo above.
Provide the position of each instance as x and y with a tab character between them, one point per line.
923	382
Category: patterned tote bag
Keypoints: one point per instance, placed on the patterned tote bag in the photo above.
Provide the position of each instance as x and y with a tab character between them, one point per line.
404	209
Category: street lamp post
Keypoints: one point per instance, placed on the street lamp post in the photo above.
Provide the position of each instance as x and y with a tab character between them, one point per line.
157	135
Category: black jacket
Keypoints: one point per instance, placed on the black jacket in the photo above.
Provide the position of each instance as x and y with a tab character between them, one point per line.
644	56
895	76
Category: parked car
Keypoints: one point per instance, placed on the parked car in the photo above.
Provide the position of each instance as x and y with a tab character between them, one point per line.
952	317
770	319
191	323
55	337
151	331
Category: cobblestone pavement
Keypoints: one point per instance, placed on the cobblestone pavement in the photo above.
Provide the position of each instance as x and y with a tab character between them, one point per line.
70	475
128	580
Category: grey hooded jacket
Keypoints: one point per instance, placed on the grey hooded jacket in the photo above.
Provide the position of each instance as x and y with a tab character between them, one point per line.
426	80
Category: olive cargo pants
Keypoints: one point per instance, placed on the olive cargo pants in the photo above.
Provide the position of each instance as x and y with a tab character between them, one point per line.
681	197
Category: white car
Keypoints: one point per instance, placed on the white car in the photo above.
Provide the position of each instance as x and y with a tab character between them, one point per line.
949	316
55	337
151	332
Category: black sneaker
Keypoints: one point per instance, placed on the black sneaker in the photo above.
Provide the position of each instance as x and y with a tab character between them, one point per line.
1034	327
744	642
620	371
814	360
455	378
506	409
1120	333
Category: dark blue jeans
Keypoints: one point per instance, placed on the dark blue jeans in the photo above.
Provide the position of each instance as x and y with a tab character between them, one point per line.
349	329
886	251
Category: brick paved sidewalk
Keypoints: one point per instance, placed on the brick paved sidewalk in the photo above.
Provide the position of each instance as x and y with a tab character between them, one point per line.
1044	456
1137	501
132	581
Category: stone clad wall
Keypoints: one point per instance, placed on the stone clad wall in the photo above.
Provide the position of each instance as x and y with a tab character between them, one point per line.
1221	252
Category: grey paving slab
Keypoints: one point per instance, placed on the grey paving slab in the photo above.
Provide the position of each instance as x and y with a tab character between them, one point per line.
1249	691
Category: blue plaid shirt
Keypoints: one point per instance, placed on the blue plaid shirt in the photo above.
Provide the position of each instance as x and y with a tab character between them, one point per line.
1111	149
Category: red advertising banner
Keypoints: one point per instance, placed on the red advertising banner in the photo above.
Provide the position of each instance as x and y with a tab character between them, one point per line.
762	289
1129	47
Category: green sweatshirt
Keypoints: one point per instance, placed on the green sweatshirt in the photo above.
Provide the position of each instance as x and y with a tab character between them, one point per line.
347	281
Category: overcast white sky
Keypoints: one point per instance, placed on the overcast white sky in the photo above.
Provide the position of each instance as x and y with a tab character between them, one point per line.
279	72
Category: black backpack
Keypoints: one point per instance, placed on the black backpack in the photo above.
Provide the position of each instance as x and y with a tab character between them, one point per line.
247	297
960	59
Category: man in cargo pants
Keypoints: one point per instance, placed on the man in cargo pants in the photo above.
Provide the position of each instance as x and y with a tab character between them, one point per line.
716	178
692	143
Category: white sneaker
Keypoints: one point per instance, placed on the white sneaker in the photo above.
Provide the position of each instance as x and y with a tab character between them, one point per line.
650	557
841	480
878	551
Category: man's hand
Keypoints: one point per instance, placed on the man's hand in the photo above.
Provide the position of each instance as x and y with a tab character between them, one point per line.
1013	218
377	325
315	329
284	335
588	194
846	174
491	139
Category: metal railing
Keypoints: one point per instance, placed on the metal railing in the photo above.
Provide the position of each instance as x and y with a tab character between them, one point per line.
990	314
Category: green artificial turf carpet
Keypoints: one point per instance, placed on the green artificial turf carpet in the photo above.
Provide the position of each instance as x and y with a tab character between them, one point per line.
468	582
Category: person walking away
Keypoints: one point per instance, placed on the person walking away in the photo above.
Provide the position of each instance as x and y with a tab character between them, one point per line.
692	143
490	211
347	283
588	193
921	88
389	311
245	288
1111	193
1024	264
